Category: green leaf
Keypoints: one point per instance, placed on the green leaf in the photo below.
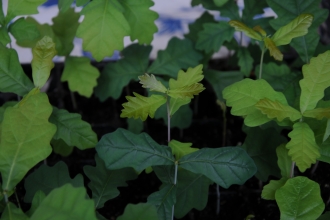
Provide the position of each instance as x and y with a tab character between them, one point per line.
47	178
104	182
230	10
38	197
135	125
175	104
103	28
192	192
260	145
251	9
19	7
141	211
186	91
73	130
239	26
242	97
318	113
140	19
3	108
221	79
245	61
43	53
325	216
61	148
117	75
213	35
197	26
64	5
65	27
25	137
190	77
25	33
316	80
11	212
150	82
12	76
179	54
80	75
284	161
66	203
181	149
4	36
296	28
220	3
288	10
166	173
300	198
142	107
302	147
164	199
225	166
122	148
273	50
269	190
2	16
275	109
82	2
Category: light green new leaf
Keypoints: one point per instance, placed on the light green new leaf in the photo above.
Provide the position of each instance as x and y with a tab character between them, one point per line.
275	109
318	113
43	53
180	149
11	212
116	75
273	50
225	166
103	28
4	36
38	197
104	182
296	28
302	147
242	97
64	5
179	54
26	33
260	144
22	7
190	77
186	91
316	80
65	28
150	82
73	130
12	76
192	192
269	190
213	35
164	200
175	104
284	161
122	148
66	203
25	137
80	75
239	26
47	178
300	198
142	107
245	61
140	19
140	211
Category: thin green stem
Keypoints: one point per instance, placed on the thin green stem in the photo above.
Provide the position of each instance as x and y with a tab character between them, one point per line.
174	182
74	102
168	121
292	169
261	61
18	203
6	197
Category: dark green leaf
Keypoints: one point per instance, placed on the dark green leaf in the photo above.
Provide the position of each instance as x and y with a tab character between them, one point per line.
104	182
165	173
251	9
25	33
230	10
47	178
124	149
245	61
117	75
135	125
225	166
64	5
197	26
61	148
141	211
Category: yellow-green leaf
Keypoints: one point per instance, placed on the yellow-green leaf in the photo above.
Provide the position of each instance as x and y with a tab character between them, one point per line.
302	146
25	137
275	109
318	113
273	50
296	28
190	77
316	80
42	63
239	26
80	75
150	82
186	91
175	104
140	106
180	149
269	190
260	30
